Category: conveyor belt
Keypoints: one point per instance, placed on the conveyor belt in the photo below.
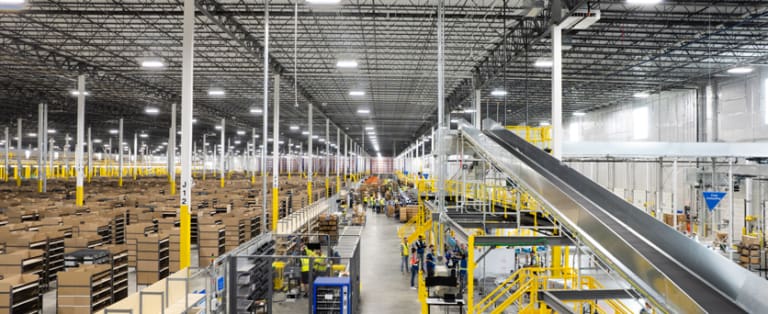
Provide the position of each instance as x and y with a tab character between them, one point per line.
677	273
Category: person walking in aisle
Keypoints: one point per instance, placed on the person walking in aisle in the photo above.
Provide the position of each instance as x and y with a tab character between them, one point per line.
431	261
404	256
420	247
414	261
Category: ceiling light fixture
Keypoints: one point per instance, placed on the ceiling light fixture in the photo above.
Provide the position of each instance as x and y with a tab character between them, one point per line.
641	95
305	132
543	63
356	93
151	110
368	128
240	132
51	131
644	2
323	2
77	93
346	64
363	111
256	111
113	131
498	93
218	127
143	135
216	92
12	5
579	114
152	63
740	70
32	134
543	123
294	127
97	140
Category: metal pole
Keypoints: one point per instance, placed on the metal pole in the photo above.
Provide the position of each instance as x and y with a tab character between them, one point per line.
80	131
7	153
309	149
478	114
20	151
172	145
276	153
40	131
135	169
187	93
338	159
345	160
252	164
327	156
223	153
441	108
90	155
120	153
730	209
205	153
265	119
557	93
674	193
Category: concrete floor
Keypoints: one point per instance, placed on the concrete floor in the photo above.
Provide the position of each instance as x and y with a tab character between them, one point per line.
384	288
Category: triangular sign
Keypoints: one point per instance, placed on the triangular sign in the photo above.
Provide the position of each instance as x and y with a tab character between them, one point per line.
713	198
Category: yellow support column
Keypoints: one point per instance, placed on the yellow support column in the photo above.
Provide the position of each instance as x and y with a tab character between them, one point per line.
185	239
309	191
470	274
275	207
327	187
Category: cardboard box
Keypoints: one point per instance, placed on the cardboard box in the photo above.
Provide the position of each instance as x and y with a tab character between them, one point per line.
749	240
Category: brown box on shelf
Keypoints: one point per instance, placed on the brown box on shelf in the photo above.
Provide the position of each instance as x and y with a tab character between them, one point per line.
749	240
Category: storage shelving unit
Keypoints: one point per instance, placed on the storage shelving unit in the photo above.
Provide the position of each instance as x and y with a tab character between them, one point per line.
20	294
54	255
23	262
212	243
252	279
86	257
86	289
152	259
118	258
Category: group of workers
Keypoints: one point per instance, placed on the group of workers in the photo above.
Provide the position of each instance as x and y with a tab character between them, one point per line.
377	204
418	256
319	266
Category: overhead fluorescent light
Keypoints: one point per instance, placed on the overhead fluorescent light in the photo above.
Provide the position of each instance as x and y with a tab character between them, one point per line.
356	93
113	131
579	114
644	2
143	135
641	95
469	111
315	136
151	110
346	64
240	132
164	143
217	127
32	134
151	63
372	133
581	19
216	92
305	132
194	120
178	132
454	120
77	93
543	63
97	140
237	142
321	2
363	111
12	5
294	127
256	110
543	123
51	131
498	92
740	70
322	140
368	128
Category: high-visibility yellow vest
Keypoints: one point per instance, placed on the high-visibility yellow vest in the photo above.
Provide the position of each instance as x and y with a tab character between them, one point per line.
304	265
320	264
404	248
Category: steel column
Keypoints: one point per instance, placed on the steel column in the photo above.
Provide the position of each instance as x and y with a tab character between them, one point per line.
80	143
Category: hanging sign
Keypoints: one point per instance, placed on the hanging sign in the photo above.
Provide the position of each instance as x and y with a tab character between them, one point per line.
713	198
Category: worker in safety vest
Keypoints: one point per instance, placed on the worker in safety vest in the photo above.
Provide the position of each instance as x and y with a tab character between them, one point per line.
414	262
320	266
305	269
382	204
404	256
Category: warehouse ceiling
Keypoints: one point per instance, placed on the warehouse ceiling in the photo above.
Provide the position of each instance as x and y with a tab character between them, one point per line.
631	48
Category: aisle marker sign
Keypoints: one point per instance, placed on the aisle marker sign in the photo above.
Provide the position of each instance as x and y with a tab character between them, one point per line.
713	198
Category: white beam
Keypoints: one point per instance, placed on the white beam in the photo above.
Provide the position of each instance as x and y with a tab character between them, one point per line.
80	142
557	93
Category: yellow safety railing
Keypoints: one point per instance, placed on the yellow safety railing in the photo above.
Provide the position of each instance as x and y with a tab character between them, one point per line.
540	136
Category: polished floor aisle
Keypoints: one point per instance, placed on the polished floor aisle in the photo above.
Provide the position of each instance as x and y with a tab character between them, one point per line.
384	288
